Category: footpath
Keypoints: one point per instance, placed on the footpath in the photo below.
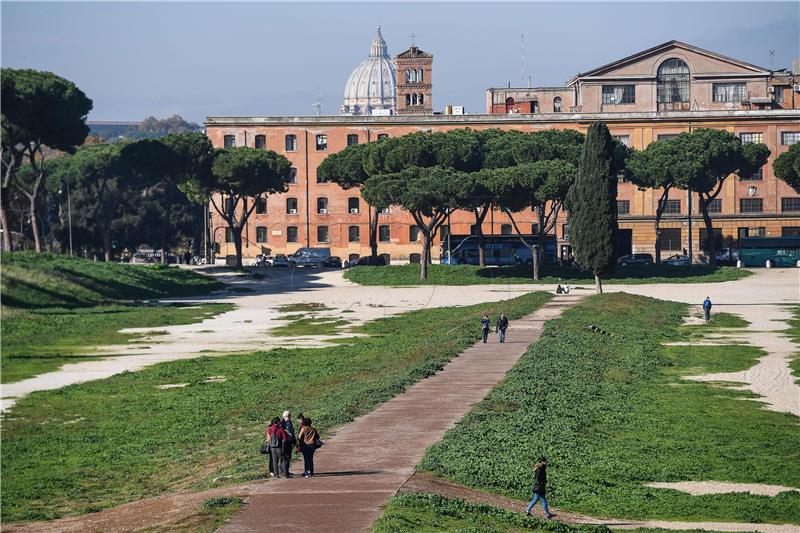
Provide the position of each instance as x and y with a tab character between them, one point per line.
369	459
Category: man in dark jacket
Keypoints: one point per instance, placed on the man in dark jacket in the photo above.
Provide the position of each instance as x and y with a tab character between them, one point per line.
707	308
502	325
540	487
290	440
277	439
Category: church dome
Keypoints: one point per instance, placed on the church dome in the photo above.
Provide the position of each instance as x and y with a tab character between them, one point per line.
372	85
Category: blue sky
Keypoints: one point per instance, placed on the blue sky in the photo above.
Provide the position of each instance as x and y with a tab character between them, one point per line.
197	59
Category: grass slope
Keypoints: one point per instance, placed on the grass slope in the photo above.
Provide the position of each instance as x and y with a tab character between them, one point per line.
428	513
31	280
472	275
794	334
107	442
41	340
611	413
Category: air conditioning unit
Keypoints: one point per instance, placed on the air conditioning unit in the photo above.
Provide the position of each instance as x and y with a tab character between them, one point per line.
323	211
771	89
796	87
353	210
292	211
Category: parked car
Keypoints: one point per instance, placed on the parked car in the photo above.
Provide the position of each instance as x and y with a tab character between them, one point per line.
310	257
141	259
368	260
727	256
333	262
280	260
677	260
635	259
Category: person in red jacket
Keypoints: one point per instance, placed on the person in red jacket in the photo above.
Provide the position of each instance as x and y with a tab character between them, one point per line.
278	440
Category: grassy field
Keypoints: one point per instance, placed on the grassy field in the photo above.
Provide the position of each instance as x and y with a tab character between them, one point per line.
40	340
429	513
612	413
32	280
794	334
471	275
103	443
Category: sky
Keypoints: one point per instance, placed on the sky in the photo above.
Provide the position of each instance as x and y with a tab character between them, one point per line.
137	59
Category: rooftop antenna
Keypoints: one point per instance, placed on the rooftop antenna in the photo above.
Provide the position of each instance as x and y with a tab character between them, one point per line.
772	59
522	57
413	36
318	102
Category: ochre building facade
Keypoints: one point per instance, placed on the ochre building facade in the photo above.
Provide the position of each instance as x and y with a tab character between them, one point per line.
660	92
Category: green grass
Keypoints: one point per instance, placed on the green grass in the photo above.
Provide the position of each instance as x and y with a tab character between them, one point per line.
303	307
215	511
428	513
135	440
398	275
310	326
794	334
41	340
612	413
31	280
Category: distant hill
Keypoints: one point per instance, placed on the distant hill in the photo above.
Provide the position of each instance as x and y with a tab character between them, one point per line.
147	129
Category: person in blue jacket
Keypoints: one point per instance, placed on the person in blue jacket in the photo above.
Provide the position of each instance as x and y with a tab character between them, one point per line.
707	308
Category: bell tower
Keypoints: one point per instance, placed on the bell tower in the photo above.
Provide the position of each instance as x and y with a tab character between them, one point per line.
414	81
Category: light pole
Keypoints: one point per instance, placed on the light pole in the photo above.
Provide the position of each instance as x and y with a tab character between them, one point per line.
63	184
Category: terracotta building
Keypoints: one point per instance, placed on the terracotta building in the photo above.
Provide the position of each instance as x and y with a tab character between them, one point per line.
659	92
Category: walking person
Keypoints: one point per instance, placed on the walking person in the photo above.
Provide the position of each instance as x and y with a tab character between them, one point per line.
502	325
276	437
540	487
290	440
307	443
485	324
707	309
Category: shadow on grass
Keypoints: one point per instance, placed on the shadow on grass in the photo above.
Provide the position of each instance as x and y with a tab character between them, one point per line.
556	272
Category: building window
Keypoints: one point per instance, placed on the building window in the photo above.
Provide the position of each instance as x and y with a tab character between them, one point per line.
293	175
790	231
384	233
751	137
751	205
413	99
473	229
322	142
291	234
228	234
413	233
261	142
757	176
408	76
505	229
671	239
291	143
704	240
261	234
619	94
261	206
320	179
353	233
788	138
557	104
322	234
384	211
352	139
623	139
322	205
444	231
779	94
666	136
408	99
291	206
565	231
229	141
715	206
790	205
672	82
672	207
730	92
535	106
421	99
230	206
534	229
419	75
353	205
623	207
382	136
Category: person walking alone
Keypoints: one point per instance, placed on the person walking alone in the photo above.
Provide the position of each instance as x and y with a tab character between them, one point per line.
707	309
485	325
540	487
277	438
307	443
502	325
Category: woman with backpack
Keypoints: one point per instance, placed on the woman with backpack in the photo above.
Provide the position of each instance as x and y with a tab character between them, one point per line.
277	439
307	443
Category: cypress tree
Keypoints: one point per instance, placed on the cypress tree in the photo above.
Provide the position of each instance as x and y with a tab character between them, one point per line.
591	202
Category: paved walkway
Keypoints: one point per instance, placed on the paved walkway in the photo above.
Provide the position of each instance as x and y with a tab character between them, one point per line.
369	459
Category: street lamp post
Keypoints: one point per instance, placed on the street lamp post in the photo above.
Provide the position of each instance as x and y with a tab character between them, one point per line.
64	184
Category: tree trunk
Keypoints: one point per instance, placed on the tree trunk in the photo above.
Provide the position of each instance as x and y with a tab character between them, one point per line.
237	244
6	227
373	233
712	241
535	260
426	254
481	245
37	238
598	284
659	213
107	244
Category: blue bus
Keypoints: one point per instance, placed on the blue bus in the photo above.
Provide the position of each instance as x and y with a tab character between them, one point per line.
781	251
501	250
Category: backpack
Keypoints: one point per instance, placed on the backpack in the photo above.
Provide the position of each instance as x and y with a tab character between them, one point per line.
274	441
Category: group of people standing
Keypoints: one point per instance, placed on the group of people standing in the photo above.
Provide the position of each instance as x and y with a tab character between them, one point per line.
282	439
500	327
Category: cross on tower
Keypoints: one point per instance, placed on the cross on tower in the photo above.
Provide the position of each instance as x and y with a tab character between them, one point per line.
413	36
